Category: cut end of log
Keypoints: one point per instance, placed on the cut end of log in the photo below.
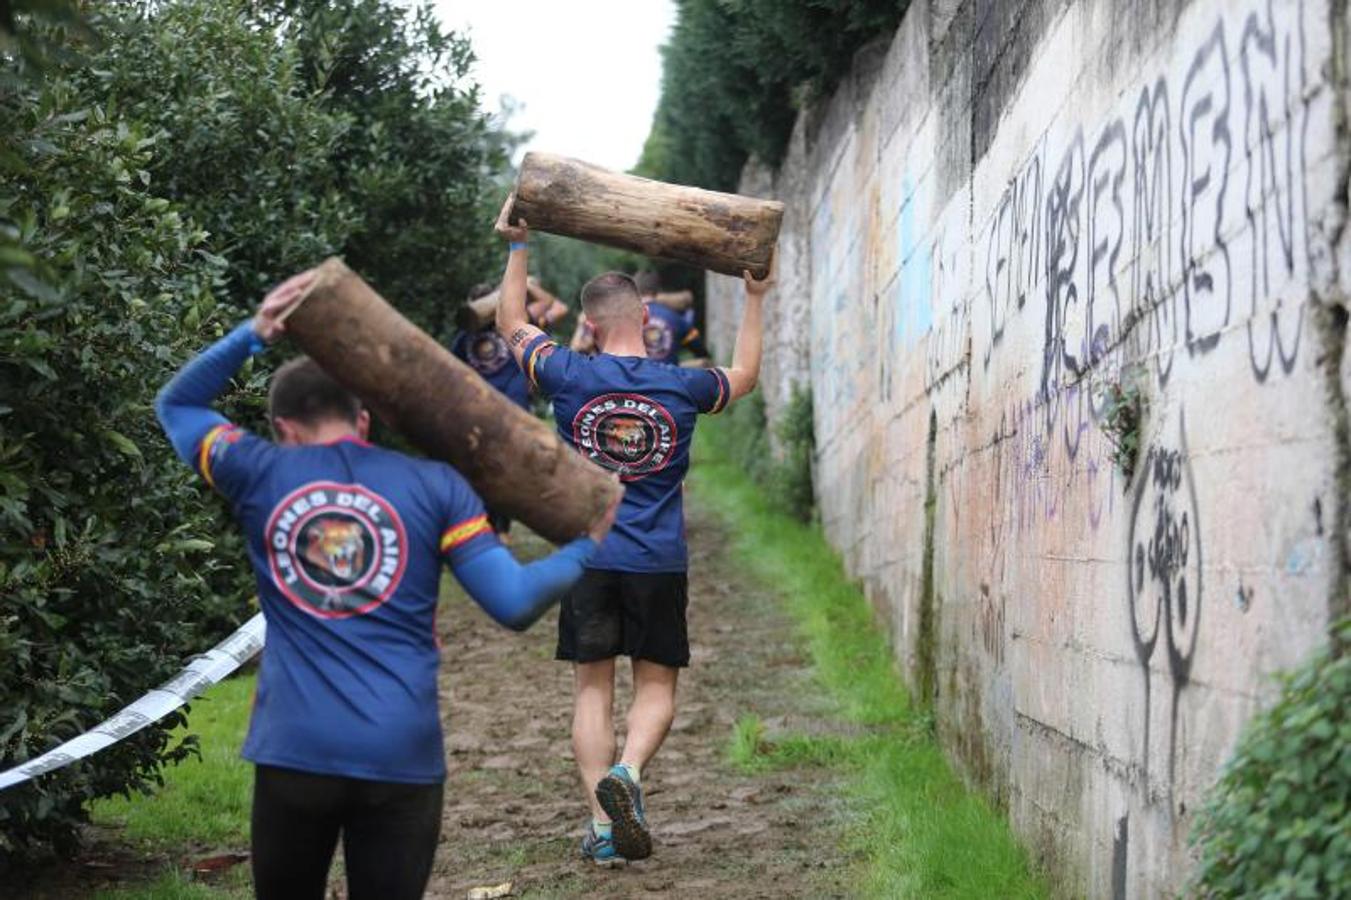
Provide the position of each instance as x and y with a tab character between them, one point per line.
328	273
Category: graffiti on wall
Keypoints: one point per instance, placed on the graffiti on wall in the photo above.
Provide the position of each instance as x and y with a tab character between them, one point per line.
1164	574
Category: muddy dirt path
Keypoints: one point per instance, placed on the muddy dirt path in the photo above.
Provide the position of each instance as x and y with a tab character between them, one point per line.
514	811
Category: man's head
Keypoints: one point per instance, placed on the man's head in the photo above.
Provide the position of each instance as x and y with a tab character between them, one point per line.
614	308
306	406
648	282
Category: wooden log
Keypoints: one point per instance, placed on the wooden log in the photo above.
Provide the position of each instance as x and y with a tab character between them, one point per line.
725	233
517	463
479	314
675	300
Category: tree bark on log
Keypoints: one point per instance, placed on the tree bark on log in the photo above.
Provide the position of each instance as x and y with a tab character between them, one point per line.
515	462
724	233
477	314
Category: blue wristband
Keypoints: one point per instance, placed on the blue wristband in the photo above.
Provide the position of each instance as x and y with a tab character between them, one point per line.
517	245
256	344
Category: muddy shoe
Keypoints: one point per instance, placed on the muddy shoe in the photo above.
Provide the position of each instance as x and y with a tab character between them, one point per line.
601	850
622	801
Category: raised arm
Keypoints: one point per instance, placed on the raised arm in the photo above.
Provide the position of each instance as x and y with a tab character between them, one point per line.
543	307
513	321
184	404
745	370
516	595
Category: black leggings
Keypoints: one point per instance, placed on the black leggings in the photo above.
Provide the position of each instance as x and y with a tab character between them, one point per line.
389	835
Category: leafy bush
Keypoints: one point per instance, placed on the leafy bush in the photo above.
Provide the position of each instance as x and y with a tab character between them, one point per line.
150	186
735	74
785	475
1275	825
425	168
105	569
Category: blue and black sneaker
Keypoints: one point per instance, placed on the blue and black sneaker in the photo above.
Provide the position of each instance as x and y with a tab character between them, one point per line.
600	850
622	800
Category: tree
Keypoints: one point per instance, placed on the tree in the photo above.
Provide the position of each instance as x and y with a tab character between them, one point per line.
151	186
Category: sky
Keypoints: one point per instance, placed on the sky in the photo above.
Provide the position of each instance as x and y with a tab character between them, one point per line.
585	74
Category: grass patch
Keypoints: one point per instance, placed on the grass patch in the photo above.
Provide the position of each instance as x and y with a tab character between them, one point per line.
176	885
920	832
203	801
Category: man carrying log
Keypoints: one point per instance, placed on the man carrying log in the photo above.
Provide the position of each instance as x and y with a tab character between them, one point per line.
636	417
484	351
668	331
347	541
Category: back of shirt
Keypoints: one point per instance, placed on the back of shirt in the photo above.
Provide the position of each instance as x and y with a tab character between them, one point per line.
666	332
488	354
347	542
636	417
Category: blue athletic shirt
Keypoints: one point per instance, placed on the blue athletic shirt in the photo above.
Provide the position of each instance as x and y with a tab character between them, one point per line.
347	540
666	332
636	417
487	353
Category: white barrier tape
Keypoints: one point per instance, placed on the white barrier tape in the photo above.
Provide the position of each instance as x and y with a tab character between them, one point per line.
205	670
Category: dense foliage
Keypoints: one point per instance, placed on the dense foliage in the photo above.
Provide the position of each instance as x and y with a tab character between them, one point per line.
1276	823
781	463
152	182
736	72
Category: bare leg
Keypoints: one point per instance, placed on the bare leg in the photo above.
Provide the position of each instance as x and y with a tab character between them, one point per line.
593	732
653	709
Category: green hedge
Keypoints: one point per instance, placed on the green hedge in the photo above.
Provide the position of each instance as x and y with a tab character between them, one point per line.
1276	824
735	73
785	476
153	181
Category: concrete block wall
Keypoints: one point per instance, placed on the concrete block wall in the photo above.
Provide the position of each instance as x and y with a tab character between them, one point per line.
1007	214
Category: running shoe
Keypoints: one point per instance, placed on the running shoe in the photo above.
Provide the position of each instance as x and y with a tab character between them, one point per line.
600	850
622	801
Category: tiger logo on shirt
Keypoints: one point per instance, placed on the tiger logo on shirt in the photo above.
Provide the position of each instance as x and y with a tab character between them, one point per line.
337	545
631	434
336	550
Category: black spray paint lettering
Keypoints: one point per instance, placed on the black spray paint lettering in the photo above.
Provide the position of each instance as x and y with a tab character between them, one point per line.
1164	573
1206	149
1274	197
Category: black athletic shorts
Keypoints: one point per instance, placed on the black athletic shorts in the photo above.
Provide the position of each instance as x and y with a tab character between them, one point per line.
636	614
389	834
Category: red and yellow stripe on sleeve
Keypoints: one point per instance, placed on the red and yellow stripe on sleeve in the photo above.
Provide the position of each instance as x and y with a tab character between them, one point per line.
204	450
534	355
457	535
724	391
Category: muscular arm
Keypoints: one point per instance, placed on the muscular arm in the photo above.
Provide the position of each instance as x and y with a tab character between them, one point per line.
184	404
745	370
516	595
513	321
543	307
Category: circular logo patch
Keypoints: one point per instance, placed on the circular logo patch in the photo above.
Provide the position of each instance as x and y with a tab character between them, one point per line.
626	433
336	550
658	338
488	353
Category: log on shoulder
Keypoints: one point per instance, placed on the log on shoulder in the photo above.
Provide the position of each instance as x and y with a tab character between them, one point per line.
725	233
515	462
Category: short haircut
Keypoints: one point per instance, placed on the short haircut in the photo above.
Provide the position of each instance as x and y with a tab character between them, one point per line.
648	282
610	296
301	390
482	289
